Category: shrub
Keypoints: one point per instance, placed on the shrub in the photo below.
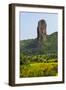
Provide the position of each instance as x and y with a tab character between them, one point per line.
25	59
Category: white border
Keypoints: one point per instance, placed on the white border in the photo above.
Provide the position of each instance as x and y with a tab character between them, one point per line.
19	80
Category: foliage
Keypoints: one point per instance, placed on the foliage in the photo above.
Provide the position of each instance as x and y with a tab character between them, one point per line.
34	47
39	58
25	59
38	69
38	65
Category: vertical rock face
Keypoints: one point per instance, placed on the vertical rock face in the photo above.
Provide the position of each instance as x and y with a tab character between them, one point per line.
41	30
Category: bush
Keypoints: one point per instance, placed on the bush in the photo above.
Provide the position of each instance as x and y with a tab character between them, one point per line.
25	59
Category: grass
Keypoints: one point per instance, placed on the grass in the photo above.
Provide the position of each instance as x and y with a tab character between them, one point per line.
39	69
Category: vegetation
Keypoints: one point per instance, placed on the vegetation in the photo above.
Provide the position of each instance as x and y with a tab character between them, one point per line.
38	65
24	59
39	59
38	69
34	47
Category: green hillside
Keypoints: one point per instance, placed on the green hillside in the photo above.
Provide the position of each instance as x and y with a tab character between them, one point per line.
35	47
39	58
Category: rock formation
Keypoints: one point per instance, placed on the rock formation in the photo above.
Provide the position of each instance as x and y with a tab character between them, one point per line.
41	30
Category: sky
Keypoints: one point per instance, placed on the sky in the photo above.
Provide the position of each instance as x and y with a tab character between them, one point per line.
28	22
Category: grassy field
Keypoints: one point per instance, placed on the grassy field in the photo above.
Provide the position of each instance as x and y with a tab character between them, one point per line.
39	69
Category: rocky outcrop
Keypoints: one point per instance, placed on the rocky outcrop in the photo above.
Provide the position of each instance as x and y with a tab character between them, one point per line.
41	30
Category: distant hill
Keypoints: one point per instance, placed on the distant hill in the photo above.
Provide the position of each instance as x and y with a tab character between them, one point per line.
36	47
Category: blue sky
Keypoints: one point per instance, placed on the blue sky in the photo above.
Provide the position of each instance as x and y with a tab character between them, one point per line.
28	22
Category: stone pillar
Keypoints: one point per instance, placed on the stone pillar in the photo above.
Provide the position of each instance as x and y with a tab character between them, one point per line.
41	30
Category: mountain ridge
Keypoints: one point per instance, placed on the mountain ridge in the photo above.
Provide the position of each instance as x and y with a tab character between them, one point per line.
35	46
